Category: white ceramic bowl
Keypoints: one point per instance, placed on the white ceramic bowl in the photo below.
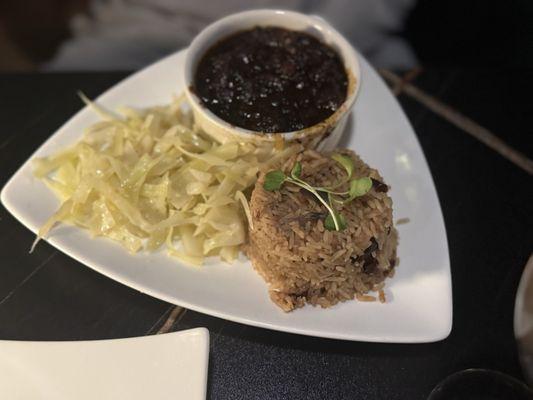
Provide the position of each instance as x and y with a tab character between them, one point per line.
325	134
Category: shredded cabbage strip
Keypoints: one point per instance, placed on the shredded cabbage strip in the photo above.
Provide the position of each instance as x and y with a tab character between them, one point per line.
150	178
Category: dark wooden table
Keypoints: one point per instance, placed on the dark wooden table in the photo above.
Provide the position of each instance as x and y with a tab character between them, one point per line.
470	125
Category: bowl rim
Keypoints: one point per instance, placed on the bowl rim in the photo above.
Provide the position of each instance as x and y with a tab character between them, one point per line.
209	36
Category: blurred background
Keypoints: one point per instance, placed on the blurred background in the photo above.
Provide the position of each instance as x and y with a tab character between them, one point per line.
74	35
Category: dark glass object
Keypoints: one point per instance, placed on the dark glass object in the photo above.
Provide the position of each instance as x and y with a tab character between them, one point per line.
481	384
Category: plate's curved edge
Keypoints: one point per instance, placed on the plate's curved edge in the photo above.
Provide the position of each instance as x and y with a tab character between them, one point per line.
4	193
442	334
256	323
449	320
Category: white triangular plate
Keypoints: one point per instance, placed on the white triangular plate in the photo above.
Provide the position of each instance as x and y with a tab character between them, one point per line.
419	307
169	366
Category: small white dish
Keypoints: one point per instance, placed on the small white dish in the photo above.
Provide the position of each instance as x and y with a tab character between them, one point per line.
324	135
419	306
168	366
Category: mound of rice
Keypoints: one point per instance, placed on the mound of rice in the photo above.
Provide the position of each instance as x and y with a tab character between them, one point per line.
301	261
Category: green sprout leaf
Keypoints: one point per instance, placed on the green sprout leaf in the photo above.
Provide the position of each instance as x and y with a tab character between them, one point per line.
329	223
274	180
335	221
296	170
346	162
359	187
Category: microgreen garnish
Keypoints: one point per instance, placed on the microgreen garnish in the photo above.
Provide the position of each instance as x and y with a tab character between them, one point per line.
274	180
329	222
296	170
346	162
335	221
359	187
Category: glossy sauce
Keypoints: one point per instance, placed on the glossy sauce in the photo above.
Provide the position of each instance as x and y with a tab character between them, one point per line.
271	80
